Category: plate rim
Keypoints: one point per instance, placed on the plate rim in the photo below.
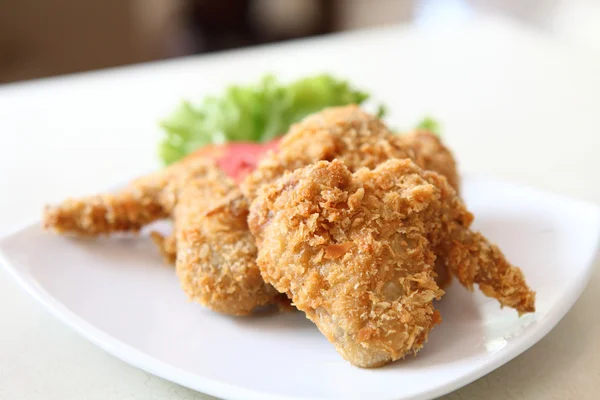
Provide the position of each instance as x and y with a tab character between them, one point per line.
138	359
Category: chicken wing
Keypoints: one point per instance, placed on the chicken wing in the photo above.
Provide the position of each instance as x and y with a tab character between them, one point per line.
150	197
430	154
356	252
143	201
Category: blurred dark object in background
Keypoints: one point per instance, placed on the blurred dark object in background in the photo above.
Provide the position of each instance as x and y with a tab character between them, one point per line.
40	38
226	24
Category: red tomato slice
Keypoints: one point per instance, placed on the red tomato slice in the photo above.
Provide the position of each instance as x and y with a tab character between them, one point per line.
237	159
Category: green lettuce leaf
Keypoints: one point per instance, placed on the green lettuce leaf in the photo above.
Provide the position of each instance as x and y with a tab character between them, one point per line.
255	113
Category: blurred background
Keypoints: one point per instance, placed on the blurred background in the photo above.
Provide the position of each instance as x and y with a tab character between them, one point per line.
40	38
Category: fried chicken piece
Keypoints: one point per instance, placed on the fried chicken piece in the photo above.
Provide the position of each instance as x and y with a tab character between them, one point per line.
356	252
352	256
143	201
430	154
151	197
353	137
212	247
216	254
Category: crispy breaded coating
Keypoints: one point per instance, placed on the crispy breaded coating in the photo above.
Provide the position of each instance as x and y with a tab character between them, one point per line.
469	255
352	253
354	137
216	254
143	201
474	260
356	252
430	154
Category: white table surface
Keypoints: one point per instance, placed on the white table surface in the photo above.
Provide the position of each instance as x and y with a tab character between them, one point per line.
515	104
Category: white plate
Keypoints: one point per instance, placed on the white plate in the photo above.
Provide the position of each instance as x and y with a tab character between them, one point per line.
117	293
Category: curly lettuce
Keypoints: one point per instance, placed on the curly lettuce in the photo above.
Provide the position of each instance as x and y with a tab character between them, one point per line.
252	113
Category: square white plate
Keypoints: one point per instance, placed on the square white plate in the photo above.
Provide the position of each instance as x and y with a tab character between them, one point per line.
117	293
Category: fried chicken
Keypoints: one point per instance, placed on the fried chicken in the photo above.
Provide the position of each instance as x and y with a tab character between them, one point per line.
356	253
430	154
151	197
216	254
211	246
353	137
143	201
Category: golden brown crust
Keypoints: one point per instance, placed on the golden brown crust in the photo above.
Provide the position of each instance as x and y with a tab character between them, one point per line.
472	259
356	253
353	137
352	252
143	201
103	214
430	154
216	254
470	256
